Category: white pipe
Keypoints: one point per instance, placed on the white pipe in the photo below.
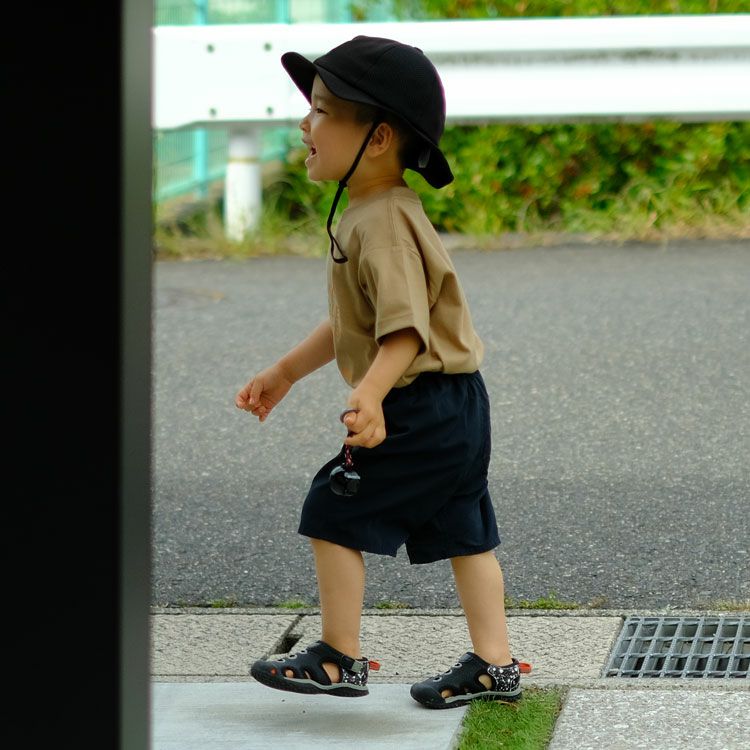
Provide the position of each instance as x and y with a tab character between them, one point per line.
243	185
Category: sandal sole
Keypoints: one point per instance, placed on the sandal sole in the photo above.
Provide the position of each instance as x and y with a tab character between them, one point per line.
441	702
307	687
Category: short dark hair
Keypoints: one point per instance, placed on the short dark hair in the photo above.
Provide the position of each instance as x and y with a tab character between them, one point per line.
409	141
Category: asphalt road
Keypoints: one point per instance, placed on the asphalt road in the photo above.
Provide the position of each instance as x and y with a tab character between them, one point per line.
619	378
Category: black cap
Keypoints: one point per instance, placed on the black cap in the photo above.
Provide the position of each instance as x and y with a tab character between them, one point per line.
390	75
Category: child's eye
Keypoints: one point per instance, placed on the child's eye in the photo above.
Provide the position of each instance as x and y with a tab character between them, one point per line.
318	111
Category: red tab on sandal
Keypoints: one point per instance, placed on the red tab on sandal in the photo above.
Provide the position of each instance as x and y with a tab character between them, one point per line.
525	667
374	665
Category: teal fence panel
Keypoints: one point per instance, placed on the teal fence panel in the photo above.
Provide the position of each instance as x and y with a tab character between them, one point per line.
188	162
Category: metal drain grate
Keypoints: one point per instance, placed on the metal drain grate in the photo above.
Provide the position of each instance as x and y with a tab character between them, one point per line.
681	647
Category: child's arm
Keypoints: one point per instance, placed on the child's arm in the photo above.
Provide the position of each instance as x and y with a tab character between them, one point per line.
263	391
396	353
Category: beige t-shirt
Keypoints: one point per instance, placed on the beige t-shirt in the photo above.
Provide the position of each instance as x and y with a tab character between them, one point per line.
399	275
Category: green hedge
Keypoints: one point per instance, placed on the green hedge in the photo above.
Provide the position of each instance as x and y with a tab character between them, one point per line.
538	177
597	177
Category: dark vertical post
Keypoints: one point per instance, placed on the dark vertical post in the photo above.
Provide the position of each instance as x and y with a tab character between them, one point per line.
135	375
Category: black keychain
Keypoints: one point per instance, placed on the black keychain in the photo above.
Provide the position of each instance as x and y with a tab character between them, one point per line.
343	479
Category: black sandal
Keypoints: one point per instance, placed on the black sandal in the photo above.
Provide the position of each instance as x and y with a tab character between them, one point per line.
462	679
309	675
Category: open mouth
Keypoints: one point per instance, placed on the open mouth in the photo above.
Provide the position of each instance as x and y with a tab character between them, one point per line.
313	151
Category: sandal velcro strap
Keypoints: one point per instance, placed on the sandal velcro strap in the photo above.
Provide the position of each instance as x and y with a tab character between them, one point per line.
346	663
354	665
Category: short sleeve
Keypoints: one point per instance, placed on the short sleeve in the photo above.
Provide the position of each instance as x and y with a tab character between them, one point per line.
393	280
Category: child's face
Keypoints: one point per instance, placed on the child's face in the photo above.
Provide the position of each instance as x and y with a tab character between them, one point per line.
331	132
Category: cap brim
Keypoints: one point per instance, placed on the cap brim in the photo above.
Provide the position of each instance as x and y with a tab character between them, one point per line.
302	71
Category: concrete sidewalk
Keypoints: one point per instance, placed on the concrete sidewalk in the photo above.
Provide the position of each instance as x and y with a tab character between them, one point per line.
204	699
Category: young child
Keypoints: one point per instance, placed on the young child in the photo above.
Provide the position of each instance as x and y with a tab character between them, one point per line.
413	469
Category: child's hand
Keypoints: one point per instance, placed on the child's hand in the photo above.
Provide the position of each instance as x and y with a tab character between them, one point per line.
368	423
261	394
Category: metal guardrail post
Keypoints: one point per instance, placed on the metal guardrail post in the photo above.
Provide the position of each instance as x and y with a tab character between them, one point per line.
243	185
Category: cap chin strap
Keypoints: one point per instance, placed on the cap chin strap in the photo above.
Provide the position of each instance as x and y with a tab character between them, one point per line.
340	190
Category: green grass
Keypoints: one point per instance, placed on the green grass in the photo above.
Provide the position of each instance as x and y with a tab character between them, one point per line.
200	235
292	604
526	725
223	603
730	605
543	602
391	605
550	601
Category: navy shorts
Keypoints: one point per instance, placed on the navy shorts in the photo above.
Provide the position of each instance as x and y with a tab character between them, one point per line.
424	486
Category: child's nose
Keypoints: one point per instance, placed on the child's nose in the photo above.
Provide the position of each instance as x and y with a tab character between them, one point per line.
304	124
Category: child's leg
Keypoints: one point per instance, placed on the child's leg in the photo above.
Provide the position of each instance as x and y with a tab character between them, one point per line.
341	586
479	582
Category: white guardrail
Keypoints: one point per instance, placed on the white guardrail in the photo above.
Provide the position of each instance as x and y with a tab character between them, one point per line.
624	68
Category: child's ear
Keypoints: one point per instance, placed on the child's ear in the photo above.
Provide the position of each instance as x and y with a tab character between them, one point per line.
382	139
